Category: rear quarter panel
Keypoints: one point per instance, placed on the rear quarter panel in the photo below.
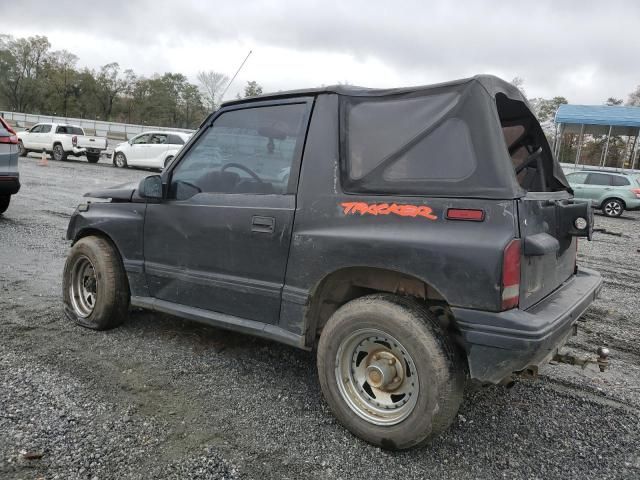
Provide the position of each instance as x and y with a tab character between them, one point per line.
462	260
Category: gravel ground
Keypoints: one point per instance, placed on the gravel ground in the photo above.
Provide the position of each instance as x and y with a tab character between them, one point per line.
165	398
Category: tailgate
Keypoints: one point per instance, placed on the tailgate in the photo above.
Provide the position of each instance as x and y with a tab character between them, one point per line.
548	231
86	141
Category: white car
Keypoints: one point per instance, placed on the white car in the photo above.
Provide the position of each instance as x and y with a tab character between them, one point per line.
149	149
61	140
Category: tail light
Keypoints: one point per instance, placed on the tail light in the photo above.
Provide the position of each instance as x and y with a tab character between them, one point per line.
511	275
74	140
13	138
636	191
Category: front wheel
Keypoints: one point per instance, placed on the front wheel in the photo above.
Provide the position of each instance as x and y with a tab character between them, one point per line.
58	153
613	207
120	160
389	372
95	290
93	158
4	203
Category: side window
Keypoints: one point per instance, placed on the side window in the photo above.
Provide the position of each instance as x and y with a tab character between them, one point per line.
617	181
141	140
245	151
579	178
175	140
158	139
45	128
36	129
599	179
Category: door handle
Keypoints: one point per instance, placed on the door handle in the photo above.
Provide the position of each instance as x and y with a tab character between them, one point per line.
263	224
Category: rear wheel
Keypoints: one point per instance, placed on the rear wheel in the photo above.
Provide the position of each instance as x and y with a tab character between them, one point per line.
58	153
95	290
389	372
4	203
23	152
612	207
120	160
93	158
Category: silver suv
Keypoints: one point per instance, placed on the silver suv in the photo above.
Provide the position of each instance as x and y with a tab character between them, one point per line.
9	176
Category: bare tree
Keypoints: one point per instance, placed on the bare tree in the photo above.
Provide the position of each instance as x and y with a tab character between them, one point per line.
518	82
211	86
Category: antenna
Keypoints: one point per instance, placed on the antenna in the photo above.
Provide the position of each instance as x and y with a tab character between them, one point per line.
236	74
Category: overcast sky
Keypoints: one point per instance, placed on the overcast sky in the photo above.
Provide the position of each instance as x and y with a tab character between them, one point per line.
585	51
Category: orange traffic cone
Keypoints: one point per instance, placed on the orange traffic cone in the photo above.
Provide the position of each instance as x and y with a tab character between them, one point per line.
43	159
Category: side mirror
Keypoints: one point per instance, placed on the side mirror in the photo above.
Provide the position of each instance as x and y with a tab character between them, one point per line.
151	187
130	142
27	129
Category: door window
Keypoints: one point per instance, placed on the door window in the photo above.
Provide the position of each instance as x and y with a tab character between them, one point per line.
36	129
617	181
599	179
577	177
158	139
245	151
141	140
176	140
45	128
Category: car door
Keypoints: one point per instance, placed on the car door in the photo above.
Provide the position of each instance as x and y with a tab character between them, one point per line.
220	240
157	149
31	139
138	149
598	186
45	137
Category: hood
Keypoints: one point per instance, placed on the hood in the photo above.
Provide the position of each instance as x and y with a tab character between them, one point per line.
118	193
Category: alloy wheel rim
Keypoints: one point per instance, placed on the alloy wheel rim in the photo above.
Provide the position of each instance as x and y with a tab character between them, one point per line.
83	286
377	377
57	152
119	160
612	208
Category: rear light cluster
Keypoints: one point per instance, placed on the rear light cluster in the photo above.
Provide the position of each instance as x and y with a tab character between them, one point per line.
13	138
511	275
74	141
636	191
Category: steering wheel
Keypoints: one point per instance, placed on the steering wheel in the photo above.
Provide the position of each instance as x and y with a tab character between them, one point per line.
529	160
239	166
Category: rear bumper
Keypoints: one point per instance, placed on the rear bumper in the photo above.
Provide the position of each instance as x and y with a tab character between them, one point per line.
9	183
500	343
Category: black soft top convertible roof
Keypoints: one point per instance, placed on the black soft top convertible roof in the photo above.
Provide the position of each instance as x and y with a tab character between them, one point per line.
492	84
444	139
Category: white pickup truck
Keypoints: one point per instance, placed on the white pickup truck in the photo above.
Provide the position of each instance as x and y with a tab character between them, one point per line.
61	140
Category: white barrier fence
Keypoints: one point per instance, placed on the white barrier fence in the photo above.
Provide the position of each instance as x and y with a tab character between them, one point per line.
122	131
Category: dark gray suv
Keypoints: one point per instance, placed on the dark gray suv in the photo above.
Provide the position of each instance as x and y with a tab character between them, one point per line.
9	176
416	238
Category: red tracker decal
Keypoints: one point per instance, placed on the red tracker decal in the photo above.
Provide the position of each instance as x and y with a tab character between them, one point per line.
363	208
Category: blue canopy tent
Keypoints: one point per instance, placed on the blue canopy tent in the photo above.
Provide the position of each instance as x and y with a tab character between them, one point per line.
598	120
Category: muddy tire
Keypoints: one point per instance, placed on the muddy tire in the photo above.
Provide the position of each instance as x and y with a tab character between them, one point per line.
58	153
95	290
389	372
93	158
4	203
612	207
